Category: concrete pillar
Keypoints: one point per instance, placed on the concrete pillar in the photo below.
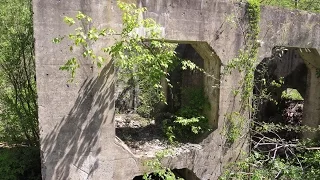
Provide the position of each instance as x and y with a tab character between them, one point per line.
76	119
311	109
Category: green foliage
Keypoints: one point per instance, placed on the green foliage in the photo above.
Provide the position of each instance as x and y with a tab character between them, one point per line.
148	101
18	96
18	116
267	127
277	84
253	11
277	158
158	169
189	122
311	160
260	166
234	126
307	5
244	63
185	129
257	166
195	103
19	163
139	53
292	94
71	65
273	157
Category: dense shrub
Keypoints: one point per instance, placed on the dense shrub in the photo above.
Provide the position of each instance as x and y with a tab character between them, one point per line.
20	163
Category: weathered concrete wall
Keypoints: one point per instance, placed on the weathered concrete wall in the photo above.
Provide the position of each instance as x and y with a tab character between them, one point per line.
76	120
311	113
77	134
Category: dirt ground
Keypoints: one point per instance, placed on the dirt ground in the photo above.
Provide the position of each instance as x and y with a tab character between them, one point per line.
144	137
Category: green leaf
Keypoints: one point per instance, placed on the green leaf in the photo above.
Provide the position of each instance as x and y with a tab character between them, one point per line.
57	40
100	61
80	15
68	20
71	66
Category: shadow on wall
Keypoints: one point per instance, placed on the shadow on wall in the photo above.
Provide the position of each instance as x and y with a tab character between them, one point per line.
72	147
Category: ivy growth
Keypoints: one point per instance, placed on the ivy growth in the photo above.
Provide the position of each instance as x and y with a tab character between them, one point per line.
245	64
271	155
233	127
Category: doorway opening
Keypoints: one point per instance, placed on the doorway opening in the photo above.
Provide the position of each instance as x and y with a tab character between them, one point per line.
281	86
191	109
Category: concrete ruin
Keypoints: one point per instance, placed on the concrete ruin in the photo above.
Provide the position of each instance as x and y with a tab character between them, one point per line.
77	120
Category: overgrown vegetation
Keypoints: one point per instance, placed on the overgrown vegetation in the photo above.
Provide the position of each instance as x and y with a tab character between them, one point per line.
18	96
307	5
159	170
277	149
292	94
261	166
20	163
273	154
245	64
145	60
188	123
18	116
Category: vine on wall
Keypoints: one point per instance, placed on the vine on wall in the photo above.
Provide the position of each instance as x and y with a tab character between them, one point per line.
271	156
245	64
